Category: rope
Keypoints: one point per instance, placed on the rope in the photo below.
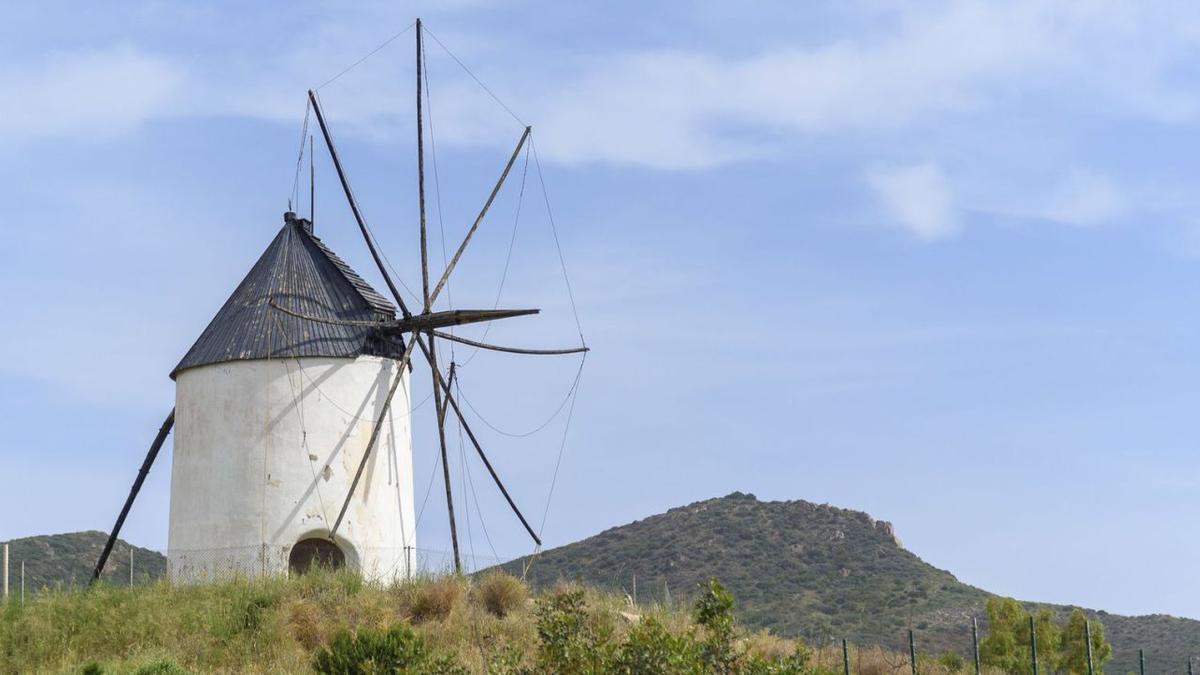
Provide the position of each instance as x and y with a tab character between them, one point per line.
437	181
554	228
429	488
354	414
557	464
507	258
369	54
462	465
471	481
304	437
375	240
295	195
543	425
473	77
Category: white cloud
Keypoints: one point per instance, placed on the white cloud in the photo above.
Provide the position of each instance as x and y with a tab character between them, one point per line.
1084	198
905	67
97	93
680	109
918	198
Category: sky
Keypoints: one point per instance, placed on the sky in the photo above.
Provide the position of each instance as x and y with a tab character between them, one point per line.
934	261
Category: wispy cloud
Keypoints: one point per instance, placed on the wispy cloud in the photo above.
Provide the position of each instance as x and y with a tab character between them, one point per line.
918	198
91	93
666	109
1084	198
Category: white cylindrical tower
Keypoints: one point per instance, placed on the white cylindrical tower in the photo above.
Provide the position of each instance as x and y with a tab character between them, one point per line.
273	416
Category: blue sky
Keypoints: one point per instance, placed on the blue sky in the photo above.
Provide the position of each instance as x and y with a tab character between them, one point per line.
934	261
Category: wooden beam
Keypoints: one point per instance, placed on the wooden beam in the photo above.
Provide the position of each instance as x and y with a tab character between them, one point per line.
151	455
387	404
510	350
478	219
440	384
362	225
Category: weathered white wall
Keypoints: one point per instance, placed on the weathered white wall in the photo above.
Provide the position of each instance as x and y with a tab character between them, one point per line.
263	457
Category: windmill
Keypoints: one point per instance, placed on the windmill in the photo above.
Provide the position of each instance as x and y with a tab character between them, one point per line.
290	394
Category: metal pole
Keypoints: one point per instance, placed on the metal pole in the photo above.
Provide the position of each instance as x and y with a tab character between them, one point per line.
1141	662
131	566
912	651
22	582
1189	665
845	658
1087	633
6	572
975	641
1033	644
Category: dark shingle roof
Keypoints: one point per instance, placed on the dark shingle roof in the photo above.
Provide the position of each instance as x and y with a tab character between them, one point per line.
300	273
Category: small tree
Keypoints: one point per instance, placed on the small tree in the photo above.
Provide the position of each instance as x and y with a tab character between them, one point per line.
714	611
1007	643
1072	656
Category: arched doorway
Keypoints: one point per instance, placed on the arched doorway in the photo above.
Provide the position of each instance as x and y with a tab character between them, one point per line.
308	553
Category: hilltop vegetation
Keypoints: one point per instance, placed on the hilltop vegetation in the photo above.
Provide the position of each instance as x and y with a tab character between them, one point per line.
798	569
68	560
820	573
336	623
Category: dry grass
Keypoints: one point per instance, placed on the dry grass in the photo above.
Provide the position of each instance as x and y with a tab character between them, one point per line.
501	593
436	599
769	646
273	626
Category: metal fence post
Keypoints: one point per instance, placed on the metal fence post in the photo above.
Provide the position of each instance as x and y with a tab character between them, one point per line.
912	651
975	642
6	572
1087	636
845	658
22	582
1189	665
1033	644
1142	662
131	567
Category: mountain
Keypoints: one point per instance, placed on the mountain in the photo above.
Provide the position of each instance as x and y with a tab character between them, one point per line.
68	560
817	572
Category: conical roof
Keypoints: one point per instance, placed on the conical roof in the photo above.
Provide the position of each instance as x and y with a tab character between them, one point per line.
299	273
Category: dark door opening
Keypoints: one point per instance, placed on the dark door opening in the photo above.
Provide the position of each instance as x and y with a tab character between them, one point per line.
309	553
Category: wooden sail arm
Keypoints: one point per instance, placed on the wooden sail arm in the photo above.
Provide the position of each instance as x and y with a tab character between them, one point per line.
383	413
358	217
416	322
478	219
151	455
510	350
445	390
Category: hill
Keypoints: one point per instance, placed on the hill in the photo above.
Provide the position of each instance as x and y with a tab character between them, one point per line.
817	572
68	560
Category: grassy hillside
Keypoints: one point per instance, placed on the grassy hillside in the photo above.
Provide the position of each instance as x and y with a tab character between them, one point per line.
817	572
486	625
68	559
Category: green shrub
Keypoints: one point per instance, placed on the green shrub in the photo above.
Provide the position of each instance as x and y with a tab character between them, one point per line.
714	612
398	650
568	643
952	661
651	648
